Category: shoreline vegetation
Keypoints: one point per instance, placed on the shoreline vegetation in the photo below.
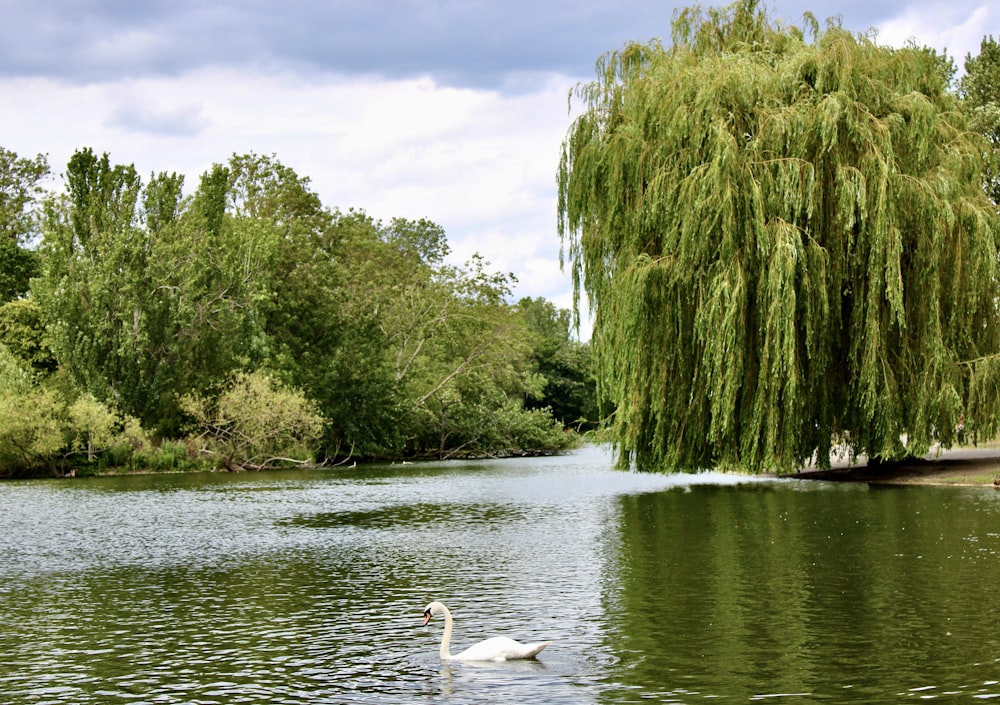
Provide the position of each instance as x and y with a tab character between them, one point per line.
177	458
247	325
211	468
187	457
965	466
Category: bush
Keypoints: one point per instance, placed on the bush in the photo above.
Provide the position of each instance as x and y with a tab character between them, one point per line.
255	422
168	456
31	432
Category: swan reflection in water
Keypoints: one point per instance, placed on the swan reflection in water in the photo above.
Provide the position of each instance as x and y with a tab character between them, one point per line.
498	648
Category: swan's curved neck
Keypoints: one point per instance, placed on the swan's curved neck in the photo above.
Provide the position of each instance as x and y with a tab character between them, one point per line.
446	637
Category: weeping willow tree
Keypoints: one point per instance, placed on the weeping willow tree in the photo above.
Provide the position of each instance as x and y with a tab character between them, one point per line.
785	244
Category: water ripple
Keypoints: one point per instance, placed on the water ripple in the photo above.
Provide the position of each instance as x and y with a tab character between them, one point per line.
308	588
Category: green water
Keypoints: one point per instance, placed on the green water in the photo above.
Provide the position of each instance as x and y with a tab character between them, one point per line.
292	587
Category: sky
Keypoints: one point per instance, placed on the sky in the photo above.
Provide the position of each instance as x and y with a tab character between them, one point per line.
451	110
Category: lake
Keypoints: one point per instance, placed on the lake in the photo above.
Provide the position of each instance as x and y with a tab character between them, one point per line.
309	587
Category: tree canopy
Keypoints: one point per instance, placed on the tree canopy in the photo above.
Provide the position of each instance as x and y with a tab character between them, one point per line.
786	243
563	362
245	325
20	187
980	87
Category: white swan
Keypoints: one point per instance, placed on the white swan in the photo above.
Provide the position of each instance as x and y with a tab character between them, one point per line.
498	648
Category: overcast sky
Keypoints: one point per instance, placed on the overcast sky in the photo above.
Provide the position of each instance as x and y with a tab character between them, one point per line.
453	110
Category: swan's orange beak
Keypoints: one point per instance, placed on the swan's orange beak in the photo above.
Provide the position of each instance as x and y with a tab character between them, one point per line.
427	617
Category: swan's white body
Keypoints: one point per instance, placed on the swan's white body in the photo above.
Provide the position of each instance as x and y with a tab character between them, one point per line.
498	648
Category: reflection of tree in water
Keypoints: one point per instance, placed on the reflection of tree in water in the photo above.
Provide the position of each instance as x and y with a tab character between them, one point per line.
392	517
765	589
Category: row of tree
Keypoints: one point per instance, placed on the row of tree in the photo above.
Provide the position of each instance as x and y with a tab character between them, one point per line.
787	242
789	236
258	326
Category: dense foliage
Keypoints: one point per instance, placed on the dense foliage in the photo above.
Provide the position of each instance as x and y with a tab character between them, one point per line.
20	186
980	87
246	325
570	389
786	244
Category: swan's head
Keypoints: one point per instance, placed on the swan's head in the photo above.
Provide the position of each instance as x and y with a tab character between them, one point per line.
432	609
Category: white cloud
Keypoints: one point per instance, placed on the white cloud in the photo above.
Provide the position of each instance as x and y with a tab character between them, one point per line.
184	119
954	27
480	163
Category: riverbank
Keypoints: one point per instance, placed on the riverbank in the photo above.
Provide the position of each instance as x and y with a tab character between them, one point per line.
969	467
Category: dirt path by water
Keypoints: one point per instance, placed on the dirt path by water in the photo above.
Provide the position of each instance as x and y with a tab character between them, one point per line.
962	466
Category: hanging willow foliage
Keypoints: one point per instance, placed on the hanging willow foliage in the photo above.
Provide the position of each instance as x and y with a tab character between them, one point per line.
785	244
